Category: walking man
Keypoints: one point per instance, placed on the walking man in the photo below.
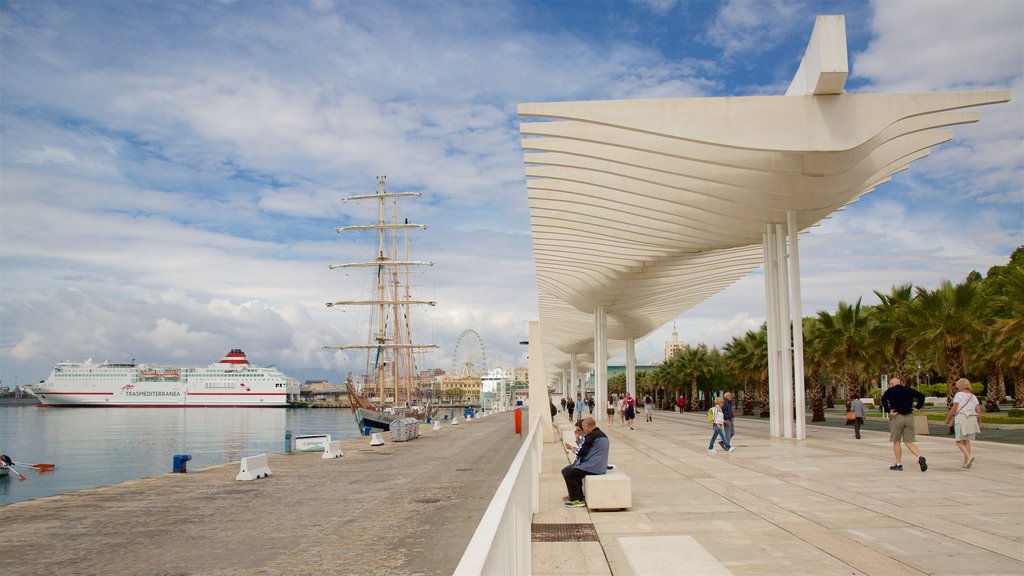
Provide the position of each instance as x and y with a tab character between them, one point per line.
729	420
901	402
579	408
648	406
858	416
591	458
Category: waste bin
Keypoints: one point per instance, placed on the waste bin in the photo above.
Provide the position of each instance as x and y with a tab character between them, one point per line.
179	462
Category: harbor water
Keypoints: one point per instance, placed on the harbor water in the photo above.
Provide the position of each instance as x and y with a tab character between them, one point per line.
98	446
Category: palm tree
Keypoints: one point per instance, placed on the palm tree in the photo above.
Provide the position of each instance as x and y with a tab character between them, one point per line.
845	339
746	358
946	320
814	360
1008	328
695	365
892	326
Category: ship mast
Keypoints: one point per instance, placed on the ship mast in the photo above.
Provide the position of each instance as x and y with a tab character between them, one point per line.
391	350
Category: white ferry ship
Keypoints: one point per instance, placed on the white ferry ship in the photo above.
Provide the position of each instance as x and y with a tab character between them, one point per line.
232	382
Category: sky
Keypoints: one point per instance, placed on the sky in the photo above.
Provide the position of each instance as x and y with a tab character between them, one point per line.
171	173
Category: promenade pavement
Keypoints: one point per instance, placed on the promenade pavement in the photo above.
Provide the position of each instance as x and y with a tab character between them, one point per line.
826	505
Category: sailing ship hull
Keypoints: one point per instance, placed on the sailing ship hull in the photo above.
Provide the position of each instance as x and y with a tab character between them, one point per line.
375	421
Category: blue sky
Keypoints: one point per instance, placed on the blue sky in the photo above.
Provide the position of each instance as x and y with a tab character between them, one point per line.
171	172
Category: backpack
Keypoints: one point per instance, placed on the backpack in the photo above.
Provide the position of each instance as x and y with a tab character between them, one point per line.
711	414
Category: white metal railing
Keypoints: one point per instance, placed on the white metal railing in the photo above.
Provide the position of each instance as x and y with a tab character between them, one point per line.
501	544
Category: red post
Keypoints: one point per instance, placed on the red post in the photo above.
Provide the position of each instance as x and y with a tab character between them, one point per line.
519	421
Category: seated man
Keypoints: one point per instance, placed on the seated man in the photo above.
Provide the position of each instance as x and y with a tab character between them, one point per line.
592	458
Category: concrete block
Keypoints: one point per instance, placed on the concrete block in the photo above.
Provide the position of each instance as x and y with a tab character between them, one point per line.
333	450
253	467
612	490
920	424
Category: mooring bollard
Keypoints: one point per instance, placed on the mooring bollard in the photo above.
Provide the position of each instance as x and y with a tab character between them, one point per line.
179	462
287	441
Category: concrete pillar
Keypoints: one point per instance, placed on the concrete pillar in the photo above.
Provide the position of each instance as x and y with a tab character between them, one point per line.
771	313
785	336
574	376
539	413
600	357
800	432
631	365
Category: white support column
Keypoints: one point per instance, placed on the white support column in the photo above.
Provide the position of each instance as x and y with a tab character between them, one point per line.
564	384
798	326
785	336
631	365
600	356
574	376
771	311
540	415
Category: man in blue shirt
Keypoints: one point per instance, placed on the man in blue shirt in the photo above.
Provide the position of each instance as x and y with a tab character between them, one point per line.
592	458
729	424
901	402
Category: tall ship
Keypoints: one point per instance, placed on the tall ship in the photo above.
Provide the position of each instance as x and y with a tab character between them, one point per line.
231	382
391	388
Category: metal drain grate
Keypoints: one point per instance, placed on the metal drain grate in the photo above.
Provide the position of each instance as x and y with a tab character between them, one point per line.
563	533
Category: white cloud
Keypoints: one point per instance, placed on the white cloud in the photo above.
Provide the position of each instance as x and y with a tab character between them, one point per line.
742	26
923	46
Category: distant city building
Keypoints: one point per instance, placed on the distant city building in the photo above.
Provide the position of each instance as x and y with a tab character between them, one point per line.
522	374
673	346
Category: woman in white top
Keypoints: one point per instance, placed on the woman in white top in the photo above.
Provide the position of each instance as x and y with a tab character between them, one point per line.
965	414
718	424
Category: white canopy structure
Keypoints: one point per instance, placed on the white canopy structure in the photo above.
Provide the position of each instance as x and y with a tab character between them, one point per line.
641	209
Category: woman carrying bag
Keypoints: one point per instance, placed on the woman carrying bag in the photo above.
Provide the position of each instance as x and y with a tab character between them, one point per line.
965	415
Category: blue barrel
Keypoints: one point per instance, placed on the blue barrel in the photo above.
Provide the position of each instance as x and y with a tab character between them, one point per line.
179	462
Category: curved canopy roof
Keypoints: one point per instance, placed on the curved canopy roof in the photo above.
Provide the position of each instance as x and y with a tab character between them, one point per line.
648	207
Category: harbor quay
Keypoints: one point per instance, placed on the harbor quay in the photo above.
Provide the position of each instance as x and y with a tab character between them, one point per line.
825	505
404	508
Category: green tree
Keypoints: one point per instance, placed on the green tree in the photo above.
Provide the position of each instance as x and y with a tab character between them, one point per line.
694	365
617	384
946	320
844	337
892	326
1004	288
746	358
815	362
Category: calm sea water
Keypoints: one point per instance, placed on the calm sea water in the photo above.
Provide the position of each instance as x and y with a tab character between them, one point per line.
97	446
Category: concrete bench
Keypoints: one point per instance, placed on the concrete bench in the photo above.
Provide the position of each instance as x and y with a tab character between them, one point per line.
610	491
253	467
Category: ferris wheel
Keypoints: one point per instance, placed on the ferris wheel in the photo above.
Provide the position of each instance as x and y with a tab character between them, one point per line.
469	358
